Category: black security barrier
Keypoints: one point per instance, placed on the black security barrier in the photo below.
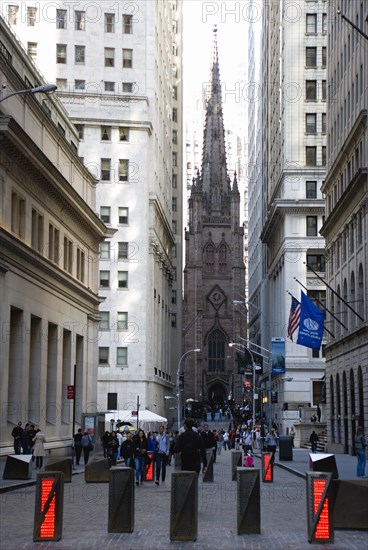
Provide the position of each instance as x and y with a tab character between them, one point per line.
323	462
184	506
208	476
345	491
236	462
121	500
62	464
319	507
48	518
248	500
97	471
285	447
18	467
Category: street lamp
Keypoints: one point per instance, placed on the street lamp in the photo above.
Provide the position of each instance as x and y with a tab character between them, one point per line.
233	344
196	350
44	89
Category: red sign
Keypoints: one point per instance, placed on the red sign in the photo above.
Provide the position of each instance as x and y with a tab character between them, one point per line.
48	518
150	468
70	392
323	526
267	467
134	413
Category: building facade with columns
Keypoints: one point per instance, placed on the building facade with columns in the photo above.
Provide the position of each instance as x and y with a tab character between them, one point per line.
118	68
49	240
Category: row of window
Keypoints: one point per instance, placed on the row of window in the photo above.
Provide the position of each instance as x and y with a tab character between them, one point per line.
55	249
104	280
96	87
311	23
215	259
346	243
352	167
311	123
311	90
77	19
123	214
311	156
80	56
121	356
353	294
125	251
106	132
311	57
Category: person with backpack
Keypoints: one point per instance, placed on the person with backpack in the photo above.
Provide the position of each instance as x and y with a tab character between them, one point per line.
191	448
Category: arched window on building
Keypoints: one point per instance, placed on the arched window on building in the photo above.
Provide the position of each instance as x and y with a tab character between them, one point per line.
332	309
360	393
345	412
209	258
339	308
353	317
338	400
332	409
222	258
216	351
353	409
345	307
360	296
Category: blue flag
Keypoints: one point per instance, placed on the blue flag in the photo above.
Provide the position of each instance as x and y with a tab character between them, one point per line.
311	324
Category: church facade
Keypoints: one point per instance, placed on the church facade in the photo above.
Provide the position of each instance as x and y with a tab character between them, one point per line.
214	274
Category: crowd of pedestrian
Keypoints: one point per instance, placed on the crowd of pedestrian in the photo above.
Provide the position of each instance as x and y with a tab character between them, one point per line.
29	441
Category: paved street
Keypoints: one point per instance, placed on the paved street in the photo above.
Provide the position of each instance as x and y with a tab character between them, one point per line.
283	519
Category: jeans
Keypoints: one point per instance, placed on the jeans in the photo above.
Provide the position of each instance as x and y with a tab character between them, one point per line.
314	447
127	462
161	460
78	452
140	467
39	461
360	453
17	446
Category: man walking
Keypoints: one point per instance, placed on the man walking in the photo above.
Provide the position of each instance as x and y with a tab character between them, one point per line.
313	440
162	452
191	447
209	440
17	435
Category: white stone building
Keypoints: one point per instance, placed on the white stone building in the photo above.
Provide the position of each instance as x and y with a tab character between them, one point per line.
293	164
346	226
49	242
118	70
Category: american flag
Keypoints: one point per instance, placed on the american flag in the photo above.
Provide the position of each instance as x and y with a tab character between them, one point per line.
294	317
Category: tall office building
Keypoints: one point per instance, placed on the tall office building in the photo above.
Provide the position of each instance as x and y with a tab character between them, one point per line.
119	75
294	167
346	225
49	242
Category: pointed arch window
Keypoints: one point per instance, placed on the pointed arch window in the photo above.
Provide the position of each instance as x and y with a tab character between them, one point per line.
209	259
216	351
222	258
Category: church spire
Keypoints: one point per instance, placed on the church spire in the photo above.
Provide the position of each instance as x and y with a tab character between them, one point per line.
215	181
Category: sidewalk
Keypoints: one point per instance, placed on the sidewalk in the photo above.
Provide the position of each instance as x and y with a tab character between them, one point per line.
283	515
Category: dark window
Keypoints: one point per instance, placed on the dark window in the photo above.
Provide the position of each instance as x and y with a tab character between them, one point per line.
311	90
209	259
123	215
323	90
103	356
311	57
311	23
323	123
316	262
324	155
311	189
112	401
324	57
105	214
311	156
311	226
311	123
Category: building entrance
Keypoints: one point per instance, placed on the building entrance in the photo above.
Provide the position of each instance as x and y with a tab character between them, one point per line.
217	394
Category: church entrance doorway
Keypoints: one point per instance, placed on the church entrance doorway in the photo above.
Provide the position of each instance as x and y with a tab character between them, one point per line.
217	394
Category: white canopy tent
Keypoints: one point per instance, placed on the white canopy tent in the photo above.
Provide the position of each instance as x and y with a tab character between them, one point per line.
147	420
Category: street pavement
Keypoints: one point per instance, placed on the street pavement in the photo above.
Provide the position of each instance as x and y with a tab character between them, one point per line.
283	513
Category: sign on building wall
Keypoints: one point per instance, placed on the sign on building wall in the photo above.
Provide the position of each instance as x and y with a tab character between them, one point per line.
278	356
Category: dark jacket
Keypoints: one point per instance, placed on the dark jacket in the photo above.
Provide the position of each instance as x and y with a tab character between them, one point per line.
192	449
208	439
313	437
127	449
140	446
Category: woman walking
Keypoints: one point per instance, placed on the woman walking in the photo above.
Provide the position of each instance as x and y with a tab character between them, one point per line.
140	455
39	449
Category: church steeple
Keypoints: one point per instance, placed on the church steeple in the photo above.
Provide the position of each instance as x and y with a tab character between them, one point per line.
215	180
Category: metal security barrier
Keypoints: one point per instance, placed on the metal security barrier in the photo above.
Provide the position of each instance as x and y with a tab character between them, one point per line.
248	501
285	447
18	467
184	506
121	500
267	468
48	519
343	492
208	476
236	462
319	507
97	471
63	464
323	462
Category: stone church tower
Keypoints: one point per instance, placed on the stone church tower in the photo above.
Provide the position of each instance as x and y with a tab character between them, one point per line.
214	274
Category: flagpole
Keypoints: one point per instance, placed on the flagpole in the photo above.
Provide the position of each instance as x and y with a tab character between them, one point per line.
326	329
334	291
324	307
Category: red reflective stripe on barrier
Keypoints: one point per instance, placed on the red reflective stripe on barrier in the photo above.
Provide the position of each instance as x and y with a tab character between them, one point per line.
267	467
47	529
149	470
323	525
